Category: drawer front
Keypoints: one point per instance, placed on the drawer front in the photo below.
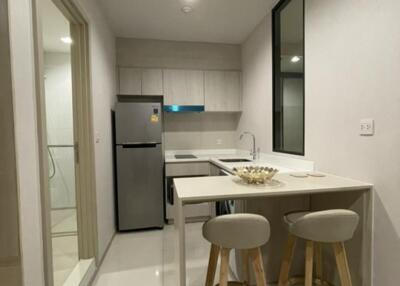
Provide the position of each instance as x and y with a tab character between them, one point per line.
187	169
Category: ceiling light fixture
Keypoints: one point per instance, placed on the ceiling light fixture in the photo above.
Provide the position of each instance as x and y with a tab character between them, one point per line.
66	40
295	59
187	9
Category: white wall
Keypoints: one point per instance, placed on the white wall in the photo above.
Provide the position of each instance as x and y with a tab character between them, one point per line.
10	260
102	60
257	87
352	67
22	62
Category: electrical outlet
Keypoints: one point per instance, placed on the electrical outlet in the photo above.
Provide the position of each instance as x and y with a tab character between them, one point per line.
367	127
219	141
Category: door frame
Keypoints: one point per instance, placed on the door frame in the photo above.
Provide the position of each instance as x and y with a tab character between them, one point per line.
83	134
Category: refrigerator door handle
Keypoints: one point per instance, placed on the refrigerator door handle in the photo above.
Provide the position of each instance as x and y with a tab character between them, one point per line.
139	144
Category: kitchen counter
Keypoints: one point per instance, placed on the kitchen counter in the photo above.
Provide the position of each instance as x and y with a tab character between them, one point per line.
324	193
190	190
282	163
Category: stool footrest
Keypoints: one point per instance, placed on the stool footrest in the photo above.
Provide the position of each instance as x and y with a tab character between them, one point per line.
234	283
293	281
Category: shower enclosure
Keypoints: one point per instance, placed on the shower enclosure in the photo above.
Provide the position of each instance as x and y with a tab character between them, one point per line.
66	144
60	141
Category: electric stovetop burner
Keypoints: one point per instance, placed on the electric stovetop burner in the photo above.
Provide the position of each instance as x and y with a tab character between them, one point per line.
185	156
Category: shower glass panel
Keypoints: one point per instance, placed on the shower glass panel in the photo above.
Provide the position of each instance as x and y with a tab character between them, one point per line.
60	140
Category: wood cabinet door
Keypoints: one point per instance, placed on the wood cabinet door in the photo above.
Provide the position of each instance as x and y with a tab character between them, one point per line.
130	81
152	82
183	87
222	91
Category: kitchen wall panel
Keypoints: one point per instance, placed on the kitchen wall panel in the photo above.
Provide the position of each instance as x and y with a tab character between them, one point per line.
200	131
179	55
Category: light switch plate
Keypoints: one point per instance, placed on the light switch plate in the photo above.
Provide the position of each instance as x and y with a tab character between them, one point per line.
367	127
97	137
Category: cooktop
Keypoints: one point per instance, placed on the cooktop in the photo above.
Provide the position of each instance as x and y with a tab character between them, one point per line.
185	156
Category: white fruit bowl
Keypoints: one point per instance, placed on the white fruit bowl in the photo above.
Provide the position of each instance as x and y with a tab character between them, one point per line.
255	175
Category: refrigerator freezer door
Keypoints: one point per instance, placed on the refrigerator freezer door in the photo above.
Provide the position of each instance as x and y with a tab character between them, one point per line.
138	122
140	187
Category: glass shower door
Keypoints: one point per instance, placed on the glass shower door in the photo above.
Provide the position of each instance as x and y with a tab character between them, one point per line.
59	114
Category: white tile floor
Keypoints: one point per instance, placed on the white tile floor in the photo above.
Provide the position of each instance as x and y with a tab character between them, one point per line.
146	258
64	243
65	257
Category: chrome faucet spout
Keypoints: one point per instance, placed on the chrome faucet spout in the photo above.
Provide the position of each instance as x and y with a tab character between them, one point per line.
253	152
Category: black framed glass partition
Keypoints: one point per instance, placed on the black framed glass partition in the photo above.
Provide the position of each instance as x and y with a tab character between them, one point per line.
288	77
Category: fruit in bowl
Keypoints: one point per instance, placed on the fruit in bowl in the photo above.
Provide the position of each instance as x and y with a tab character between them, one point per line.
255	175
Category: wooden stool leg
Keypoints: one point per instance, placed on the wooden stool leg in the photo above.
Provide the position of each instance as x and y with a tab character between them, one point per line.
287	260
318	260
342	264
309	263
212	265
245	267
223	276
258	266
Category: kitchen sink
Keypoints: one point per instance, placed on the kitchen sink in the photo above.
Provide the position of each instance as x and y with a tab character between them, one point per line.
234	160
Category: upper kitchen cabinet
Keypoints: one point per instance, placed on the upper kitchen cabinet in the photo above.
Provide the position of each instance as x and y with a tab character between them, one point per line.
135	81
130	81
183	87
152	82
222	91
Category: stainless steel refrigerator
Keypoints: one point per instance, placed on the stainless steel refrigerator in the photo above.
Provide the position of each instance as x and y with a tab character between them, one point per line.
139	165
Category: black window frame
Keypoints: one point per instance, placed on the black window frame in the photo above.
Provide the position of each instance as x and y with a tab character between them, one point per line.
276	61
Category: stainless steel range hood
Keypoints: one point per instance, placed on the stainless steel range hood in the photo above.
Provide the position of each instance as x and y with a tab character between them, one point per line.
183	108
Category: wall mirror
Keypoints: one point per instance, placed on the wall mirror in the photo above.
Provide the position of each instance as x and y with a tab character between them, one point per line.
288	77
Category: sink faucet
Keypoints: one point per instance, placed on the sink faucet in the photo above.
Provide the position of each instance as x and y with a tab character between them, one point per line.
253	152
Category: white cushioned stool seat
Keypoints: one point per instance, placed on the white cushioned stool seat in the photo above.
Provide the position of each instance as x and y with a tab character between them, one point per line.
240	231
323	226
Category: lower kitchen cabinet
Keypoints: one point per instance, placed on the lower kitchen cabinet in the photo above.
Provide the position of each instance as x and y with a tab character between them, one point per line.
195	212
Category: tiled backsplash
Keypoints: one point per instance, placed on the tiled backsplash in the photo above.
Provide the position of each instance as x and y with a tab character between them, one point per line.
200	130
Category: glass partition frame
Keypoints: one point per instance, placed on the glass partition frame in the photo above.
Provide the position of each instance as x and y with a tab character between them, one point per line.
277	77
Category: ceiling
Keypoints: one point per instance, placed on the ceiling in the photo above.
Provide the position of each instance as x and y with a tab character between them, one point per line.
54	27
215	21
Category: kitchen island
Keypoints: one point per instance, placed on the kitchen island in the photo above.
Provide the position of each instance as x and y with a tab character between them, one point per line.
324	192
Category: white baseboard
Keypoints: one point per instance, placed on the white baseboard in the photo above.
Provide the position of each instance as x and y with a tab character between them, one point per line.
82	274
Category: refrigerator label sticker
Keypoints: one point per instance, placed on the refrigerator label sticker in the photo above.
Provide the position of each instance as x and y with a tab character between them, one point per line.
154	118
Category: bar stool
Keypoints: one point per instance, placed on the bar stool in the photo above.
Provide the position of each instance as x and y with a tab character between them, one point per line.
329	226
247	232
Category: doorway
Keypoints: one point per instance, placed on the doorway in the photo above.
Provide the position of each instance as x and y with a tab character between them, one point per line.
65	128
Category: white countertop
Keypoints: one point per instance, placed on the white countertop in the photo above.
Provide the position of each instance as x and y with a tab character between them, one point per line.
282	163
191	190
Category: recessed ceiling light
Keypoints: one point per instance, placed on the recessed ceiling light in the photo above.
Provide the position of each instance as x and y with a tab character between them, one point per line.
66	40
187	9
295	59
